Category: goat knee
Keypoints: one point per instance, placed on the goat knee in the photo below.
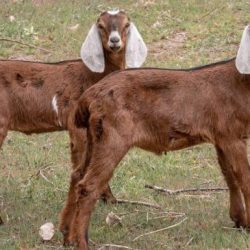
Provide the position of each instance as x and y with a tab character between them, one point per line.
76	176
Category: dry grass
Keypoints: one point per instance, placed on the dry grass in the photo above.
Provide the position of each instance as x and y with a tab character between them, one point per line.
179	34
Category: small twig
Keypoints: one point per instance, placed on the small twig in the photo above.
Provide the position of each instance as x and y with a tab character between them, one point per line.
234	228
44	177
141	203
188	190
160	230
189	241
93	242
25	44
44	167
210	12
103	247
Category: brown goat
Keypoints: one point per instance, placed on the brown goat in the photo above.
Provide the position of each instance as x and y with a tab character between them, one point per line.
39	97
163	110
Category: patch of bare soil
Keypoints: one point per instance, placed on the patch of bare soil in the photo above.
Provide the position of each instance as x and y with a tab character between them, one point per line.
42	2
166	46
146	3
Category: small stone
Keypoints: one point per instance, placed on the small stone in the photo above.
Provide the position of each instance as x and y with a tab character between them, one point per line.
12	18
47	231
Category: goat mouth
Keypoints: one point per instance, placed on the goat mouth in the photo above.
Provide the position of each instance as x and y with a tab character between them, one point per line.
115	48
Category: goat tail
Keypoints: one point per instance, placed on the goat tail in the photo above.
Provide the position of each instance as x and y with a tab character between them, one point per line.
82	115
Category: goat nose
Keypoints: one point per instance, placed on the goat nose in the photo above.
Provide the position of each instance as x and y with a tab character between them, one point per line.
114	39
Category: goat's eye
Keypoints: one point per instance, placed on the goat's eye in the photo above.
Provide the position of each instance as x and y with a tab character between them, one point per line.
100	27
127	25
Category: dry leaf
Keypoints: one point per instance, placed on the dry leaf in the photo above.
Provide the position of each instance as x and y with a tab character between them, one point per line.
113	219
74	27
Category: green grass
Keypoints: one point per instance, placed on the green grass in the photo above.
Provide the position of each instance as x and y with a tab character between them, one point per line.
210	31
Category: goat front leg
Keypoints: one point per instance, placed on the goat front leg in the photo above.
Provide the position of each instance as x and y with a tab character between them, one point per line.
69	209
3	132
237	210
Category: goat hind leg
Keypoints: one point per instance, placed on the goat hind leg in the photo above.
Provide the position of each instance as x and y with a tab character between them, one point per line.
78	148
89	189
69	209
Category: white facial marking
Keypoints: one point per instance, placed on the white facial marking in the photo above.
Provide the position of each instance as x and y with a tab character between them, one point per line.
113	34
55	108
113	12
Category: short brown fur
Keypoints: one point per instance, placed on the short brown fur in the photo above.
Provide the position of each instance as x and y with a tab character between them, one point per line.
28	88
160	111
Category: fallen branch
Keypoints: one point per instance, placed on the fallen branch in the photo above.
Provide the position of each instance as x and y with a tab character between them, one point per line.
111	246
141	203
25	44
168	215
189	241
188	190
160	230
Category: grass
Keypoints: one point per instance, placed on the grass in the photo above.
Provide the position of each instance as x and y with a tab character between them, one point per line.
179	34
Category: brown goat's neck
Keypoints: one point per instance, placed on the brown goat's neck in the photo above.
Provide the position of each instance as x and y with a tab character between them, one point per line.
114	61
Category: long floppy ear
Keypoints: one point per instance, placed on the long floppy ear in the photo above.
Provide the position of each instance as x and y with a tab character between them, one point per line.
243	55
92	51
136	50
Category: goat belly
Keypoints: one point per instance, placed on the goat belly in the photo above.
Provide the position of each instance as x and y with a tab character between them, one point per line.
31	114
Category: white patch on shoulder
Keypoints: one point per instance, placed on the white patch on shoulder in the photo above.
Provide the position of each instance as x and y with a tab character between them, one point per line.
113	12
55	108
54	104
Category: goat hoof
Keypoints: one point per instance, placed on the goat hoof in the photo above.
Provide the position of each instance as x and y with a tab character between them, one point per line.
239	224
65	233
107	199
1	221
69	242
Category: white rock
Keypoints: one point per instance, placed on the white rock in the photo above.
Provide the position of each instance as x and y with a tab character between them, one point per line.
12	18
47	231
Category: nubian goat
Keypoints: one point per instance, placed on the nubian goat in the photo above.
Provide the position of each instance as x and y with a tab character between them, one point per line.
39	97
161	110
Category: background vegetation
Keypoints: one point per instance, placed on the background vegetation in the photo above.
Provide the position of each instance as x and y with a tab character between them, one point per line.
35	170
